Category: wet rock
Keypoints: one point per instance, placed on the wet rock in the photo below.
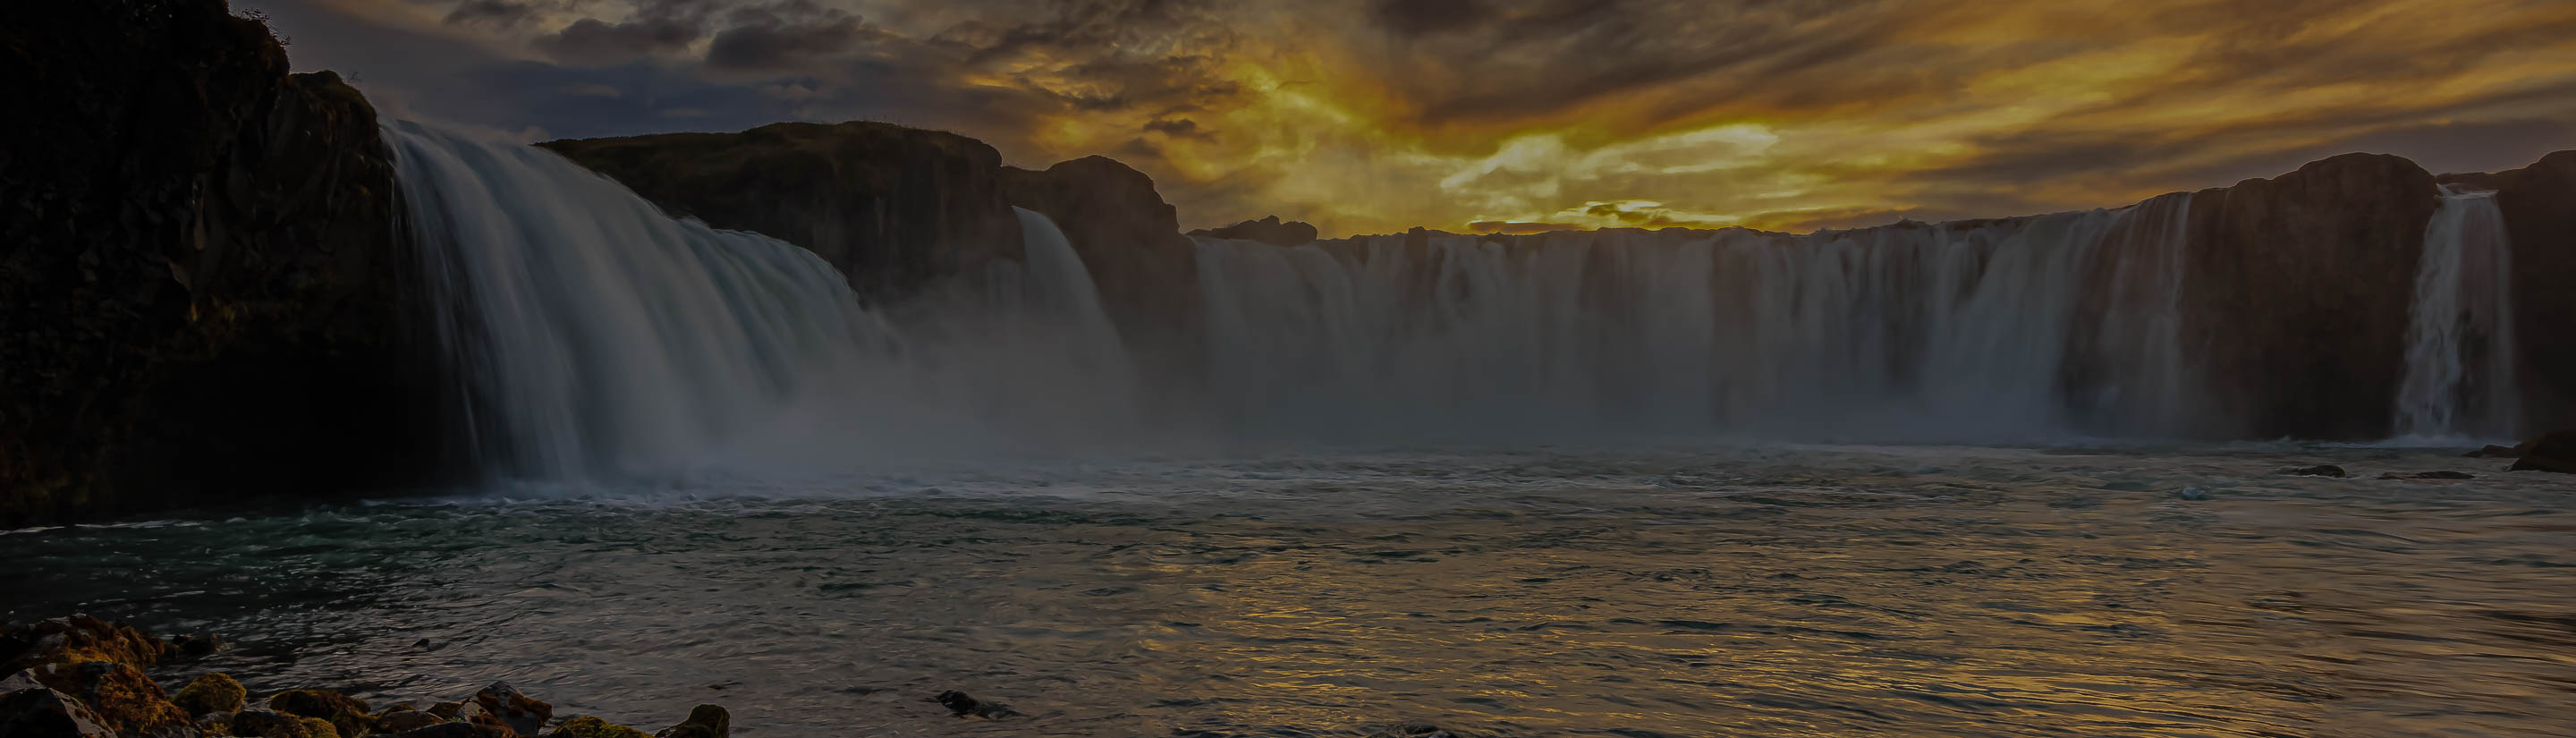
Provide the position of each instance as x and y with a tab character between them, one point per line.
705	721
2492	451
445	709
192	646
522	714
124	699
79	638
273	724
591	727
347	715
458	730
405	720
2555	452
2438	474
965	705
29	709
1416	730
212	693
2320	470
2193	493
1268	230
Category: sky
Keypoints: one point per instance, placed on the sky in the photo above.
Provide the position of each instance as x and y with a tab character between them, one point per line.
1370	116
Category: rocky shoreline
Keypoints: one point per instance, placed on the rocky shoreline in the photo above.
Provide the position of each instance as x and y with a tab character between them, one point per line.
82	677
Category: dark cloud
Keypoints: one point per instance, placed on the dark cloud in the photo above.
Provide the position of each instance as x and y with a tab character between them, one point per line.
1177	128
502	14
777	44
592	41
1410	18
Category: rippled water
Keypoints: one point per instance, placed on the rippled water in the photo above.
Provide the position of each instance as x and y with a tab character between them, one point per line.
1665	591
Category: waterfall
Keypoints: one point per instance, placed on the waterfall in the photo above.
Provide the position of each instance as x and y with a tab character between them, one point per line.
2459	342
1949	332
599	338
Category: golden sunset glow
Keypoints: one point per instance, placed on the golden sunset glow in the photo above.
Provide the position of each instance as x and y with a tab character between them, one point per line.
1377	115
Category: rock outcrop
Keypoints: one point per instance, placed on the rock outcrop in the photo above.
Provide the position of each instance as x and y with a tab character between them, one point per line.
1269	230
895	209
2539	207
2296	294
2553	452
1129	239
200	259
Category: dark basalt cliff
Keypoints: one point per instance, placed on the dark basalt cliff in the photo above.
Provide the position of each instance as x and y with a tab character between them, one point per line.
1131	241
893	208
2296	291
202	281
1269	230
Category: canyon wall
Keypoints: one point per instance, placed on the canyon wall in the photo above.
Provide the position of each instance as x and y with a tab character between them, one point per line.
207	293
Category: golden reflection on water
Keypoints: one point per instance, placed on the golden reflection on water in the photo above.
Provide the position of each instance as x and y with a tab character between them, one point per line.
1804	591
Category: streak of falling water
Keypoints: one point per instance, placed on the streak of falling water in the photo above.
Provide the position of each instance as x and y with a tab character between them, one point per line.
2459	343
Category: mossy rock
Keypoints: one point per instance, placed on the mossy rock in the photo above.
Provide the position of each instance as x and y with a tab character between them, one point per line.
591	727
705	721
124	699
272	724
347	715
215	692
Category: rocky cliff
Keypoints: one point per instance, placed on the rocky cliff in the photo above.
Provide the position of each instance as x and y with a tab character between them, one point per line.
1269	230
1131	241
202	270
894	208
2296	292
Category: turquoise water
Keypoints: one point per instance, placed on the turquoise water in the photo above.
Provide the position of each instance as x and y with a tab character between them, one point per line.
1675	590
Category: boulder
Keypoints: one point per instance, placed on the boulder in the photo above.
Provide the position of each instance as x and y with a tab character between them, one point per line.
29	709
502	703
895	209
1269	230
705	721
2554	452
123	698
964	705
2492	451
2320	470
403	718
591	727
79	638
273	724
204	278
211	693
348	715
458	730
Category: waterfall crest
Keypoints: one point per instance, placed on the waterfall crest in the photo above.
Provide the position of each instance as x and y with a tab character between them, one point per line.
1908	332
2459	341
599	338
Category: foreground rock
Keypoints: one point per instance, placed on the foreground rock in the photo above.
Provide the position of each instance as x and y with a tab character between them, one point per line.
2320	470
1269	230
2555	452
78	638
965	705
200	262
97	691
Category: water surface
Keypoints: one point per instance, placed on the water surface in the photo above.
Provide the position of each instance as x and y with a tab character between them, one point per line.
1668	590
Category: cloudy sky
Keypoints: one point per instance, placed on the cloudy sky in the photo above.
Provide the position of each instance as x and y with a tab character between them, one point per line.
1374	115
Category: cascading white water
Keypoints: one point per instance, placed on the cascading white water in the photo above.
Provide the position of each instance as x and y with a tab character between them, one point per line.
2459	342
603	339
1955	333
